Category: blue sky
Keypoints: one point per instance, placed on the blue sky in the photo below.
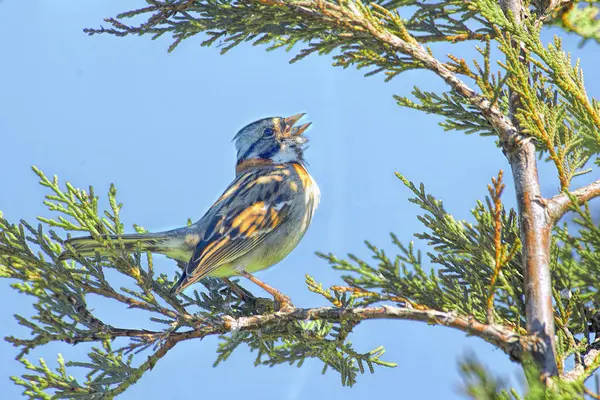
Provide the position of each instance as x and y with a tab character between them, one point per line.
96	110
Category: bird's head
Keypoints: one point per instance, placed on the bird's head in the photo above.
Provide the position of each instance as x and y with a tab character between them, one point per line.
274	140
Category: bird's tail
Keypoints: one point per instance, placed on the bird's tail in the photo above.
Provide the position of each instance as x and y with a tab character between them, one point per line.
87	246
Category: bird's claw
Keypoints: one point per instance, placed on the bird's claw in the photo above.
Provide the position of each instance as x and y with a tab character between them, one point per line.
283	304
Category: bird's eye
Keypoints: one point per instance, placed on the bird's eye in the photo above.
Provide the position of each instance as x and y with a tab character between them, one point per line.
268	132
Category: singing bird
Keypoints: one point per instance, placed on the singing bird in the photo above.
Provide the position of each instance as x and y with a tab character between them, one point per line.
259	219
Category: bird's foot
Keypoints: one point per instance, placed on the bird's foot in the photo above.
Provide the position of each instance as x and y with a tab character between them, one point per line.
283	303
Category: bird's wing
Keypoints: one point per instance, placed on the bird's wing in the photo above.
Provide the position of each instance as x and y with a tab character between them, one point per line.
251	208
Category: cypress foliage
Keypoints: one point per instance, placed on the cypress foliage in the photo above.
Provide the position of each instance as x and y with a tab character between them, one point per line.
528	95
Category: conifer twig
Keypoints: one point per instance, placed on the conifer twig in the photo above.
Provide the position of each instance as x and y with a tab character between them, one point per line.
451	38
341	16
593	395
591	362
495	193
559	204
509	341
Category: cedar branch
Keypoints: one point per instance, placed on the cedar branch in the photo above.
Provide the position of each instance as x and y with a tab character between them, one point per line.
341	16
509	341
591	394
513	344
588	366
559	204
534	224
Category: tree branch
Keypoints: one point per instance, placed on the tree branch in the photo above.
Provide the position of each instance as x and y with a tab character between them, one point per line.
536	229
513	344
583	370
545	8
509	341
168	344
559	204
342	16
521	152
534	225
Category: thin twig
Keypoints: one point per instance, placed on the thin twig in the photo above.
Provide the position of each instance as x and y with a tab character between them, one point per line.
591	362
559	204
591	394
495	193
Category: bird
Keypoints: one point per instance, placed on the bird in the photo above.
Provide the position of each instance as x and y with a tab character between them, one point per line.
257	221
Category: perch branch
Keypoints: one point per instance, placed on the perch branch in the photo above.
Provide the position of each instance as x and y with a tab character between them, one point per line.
507	340
521	152
510	342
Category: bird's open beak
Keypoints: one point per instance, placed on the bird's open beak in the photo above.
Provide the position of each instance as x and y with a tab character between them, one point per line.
295	130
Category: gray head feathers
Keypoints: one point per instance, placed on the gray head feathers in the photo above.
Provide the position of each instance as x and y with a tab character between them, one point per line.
276	139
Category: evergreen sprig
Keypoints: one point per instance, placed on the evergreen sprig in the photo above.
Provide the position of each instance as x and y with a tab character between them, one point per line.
557	110
580	18
480	384
565	125
60	290
465	255
473	281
